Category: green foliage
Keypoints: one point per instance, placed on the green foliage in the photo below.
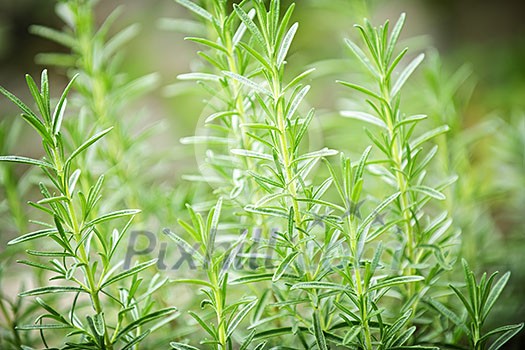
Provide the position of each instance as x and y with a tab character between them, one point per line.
76	237
294	245
478	303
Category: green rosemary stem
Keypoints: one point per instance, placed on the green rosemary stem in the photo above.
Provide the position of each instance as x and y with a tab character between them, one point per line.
219	308
361	293
235	90
83	257
244	140
402	182
285	147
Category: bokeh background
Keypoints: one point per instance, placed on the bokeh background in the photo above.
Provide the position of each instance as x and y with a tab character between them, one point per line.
481	46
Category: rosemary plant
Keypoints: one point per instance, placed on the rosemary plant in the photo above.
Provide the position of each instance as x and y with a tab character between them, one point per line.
294	247
105	93
228	315
117	320
425	249
325	269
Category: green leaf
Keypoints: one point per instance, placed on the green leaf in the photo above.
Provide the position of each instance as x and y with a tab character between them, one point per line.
248	22
252	278
251	154
366	117
260	126
57	254
120	39
185	245
318	332
284	265
494	294
281	25
37	97
501	329
28	114
32	235
128	273
234	251
428	136
368	220
203	324
298	78
134	341
505	337
271	211
297	101
51	290
60	37
247	341
213	226
25	160
248	83
52	200
39	266
361	56
190	5
393	281
257	56
406	74
411	119
361	89
242	29
145	319
194	281
403	338
49	309
320	285
208	43
181	346
199	76
325	152
87	143
236	320
56	59
428	191
442	309
112	216
285	45
273	333
98	324
398	324
32	327
217	115
394	36
58	113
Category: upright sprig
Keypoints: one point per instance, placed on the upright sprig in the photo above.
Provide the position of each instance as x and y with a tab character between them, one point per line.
227	315
104	90
479	302
405	166
77	229
234	117
291	199
267	151
361	319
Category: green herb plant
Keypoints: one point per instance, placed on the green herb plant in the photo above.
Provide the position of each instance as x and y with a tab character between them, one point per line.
295	246
328	269
89	278
104	94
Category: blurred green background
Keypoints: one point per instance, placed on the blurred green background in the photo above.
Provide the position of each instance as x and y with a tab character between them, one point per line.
482	48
